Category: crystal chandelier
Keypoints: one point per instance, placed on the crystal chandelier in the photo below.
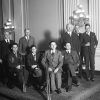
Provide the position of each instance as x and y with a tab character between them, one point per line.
79	17
9	25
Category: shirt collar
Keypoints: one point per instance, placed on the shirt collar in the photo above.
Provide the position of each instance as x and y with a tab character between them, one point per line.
27	37
68	51
34	54
88	33
7	40
53	51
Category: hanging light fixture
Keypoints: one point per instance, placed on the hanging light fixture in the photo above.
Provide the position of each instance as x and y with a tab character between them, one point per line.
79	17
9	24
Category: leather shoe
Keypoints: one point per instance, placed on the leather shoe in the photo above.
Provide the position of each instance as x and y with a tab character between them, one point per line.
76	84
69	88
92	79
87	79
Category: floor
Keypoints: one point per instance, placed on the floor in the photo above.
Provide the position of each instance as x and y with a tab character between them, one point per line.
86	91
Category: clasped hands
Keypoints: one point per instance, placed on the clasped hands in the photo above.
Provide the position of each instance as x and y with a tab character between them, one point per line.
55	71
87	44
18	67
34	66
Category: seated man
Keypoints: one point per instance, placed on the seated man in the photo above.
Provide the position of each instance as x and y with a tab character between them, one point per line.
15	70
35	73
53	62
71	63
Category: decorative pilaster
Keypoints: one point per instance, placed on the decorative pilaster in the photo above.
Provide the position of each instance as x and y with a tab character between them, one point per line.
94	13
69	6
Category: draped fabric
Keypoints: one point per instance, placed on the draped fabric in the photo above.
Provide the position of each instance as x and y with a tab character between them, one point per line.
69	6
1	21
94	13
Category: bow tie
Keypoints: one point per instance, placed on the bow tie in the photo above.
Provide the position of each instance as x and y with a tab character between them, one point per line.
7	41
67	51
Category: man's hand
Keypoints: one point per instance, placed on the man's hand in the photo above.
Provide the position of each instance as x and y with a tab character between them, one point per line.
34	66
56	70
95	46
87	44
49	69
0	60
18	67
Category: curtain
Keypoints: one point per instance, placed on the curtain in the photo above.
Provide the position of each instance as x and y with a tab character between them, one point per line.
69	6
1	21
94	13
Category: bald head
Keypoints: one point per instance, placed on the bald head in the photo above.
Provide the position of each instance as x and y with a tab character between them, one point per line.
69	27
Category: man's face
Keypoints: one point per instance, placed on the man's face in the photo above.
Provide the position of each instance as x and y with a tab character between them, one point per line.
87	28
15	48
7	36
68	46
34	50
77	29
27	32
53	45
69	28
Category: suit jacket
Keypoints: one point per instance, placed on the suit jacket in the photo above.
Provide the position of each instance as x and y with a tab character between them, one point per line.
24	45
14	61
53	61
71	58
5	49
31	61
92	39
73	39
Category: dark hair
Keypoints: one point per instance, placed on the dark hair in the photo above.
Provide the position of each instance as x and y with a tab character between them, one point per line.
14	44
33	46
51	42
26	29
66	43
87	25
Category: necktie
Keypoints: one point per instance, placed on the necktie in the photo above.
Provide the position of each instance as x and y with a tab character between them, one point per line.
27	38
7	41
16	54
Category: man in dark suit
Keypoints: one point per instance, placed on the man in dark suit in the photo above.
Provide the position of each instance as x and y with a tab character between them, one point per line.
26	42
34	67
90	43
15	69
70	64
80	47
24	48
53	62
5	49
71	37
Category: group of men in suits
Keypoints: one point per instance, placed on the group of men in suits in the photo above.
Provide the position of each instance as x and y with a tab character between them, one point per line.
9	60
85	45
22	60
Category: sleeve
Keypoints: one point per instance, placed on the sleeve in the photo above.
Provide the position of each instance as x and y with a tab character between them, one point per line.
28	61
20	46
96	41
44	60
77	58
0	49
60	60
11	62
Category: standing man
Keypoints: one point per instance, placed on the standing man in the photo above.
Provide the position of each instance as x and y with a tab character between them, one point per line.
53	62
24	48
71	37
5	49
90	43
79	48
26	42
